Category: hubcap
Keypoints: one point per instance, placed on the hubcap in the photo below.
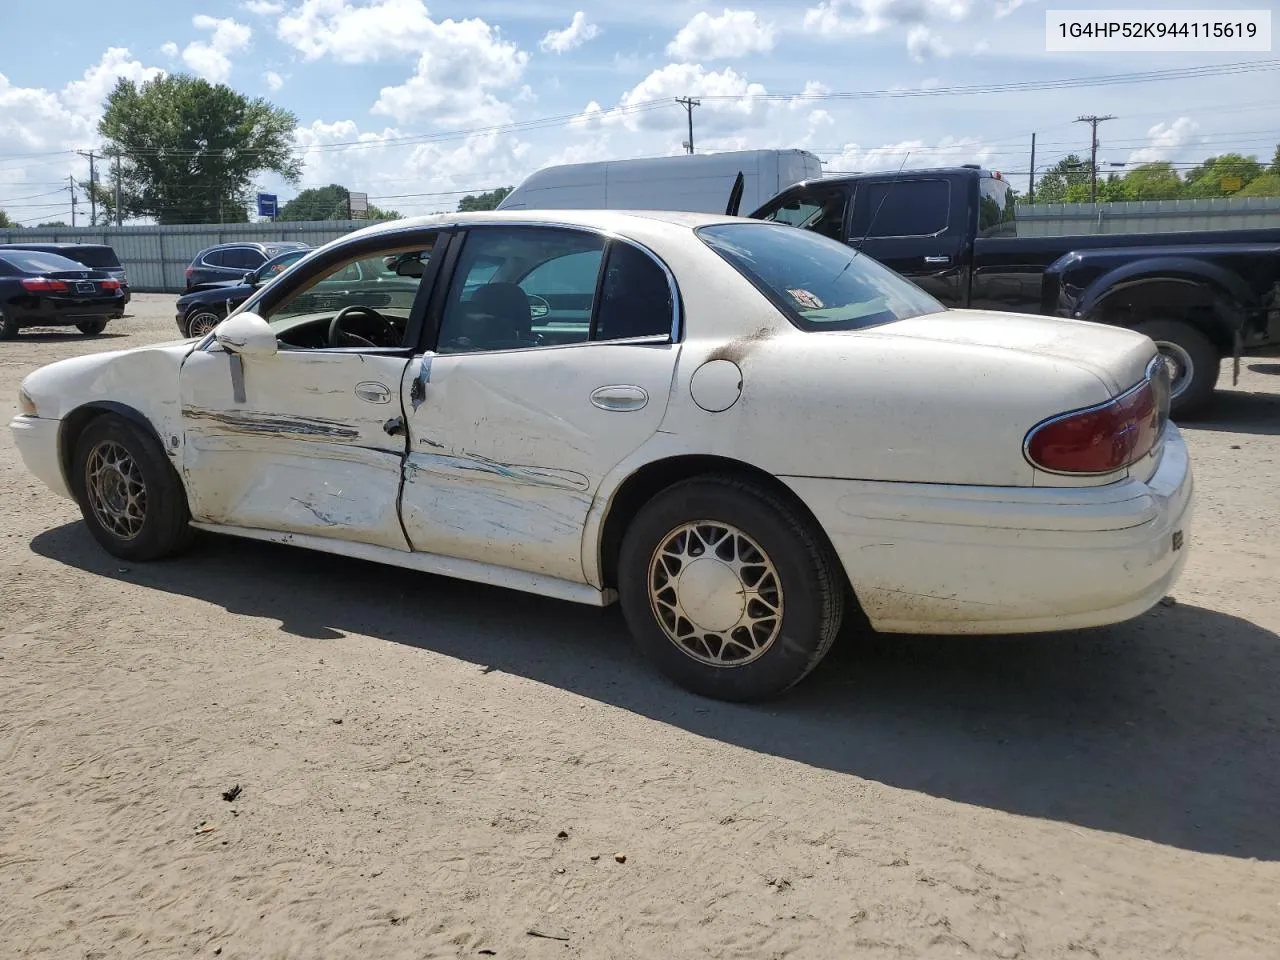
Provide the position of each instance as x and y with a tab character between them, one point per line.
202	323
715	593
116	490
1181	367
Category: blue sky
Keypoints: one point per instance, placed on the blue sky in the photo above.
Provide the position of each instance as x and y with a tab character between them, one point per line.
367	77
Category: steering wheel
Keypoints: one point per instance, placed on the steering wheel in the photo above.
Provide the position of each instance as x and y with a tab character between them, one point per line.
342	338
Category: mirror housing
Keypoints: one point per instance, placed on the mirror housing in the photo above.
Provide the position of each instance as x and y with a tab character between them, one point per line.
251	278
246	334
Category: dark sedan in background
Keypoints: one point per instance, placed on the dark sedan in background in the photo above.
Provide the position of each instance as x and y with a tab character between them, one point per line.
95	256
203	308
231	261
39	289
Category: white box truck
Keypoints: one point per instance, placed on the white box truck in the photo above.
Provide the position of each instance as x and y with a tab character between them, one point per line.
701	183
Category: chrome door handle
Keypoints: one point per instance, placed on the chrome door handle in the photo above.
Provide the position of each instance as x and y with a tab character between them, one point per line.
373	392
620	397
937	259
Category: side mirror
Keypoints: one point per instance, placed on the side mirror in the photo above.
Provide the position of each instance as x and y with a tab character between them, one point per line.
251	278
246	334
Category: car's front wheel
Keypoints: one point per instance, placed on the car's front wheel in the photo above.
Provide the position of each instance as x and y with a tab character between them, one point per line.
728	589
129	494
91	328
200	322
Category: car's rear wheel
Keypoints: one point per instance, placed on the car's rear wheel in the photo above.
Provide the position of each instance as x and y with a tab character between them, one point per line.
1194	364
728	589
8	327
91	328
200	322
129	494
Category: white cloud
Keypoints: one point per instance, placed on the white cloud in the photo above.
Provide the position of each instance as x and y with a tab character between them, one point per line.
1163	139
1006	7
735	33
85	96
169	49
922	45
274	80
852	18
571	37
212	59
263	8
914	153
648	105
463	63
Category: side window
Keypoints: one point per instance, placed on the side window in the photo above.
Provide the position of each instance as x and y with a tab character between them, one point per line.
246	258
521	287
996	211
216	258
906	208
381	287
636	298
821	211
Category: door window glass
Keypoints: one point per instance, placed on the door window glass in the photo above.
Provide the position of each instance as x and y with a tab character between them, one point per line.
636	298
521	287
821	211
903	208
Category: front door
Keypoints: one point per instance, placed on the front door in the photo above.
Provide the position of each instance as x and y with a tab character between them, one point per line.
549	370
311	440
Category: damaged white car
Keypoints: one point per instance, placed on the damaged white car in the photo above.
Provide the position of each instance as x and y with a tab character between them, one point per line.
743	432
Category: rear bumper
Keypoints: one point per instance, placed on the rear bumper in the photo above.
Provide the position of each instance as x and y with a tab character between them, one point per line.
51	312
37	441
934	558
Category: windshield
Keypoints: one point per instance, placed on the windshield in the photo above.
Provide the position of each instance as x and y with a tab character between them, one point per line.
819	283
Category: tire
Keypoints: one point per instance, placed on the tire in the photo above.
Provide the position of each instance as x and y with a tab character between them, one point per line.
8	327
115	449
1187	347
738	518
200	321
91	328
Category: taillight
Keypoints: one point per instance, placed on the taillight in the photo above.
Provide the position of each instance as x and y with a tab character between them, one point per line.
1106	438
110	284
43	285
189	272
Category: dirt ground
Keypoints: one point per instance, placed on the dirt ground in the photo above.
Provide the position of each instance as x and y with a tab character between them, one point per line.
434	769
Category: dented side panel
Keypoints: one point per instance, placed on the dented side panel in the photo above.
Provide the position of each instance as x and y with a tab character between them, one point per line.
303	452
507	448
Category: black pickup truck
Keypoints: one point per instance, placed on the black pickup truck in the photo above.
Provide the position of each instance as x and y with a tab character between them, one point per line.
1201	296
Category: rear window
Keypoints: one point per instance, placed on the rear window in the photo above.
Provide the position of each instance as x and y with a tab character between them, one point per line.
34	262
818	283
97	257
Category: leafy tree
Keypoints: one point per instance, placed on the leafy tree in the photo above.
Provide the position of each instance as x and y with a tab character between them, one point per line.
1054	183
1267	185
1207	179
1152	181
484	201
327	203
190	149
1275	162
5	222
54	223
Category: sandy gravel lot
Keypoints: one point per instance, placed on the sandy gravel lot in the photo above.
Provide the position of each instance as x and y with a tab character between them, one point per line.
433	769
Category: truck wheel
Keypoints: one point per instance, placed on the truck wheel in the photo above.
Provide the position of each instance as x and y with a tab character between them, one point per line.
91	328
728	590
8	327
1194	363
129	494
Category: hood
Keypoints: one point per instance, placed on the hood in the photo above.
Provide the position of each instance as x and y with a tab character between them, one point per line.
1116	356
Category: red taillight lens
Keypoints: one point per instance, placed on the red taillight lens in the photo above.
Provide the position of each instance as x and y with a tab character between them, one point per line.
110	284
189	272
1106	438
43	285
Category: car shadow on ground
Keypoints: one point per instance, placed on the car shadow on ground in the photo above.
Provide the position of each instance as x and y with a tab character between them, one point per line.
1236	411
48	336
1163	729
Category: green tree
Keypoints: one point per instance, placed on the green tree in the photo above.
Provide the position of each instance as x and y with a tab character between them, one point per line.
190	149
54	223
5	222
1217	175
328	203
1267	185
484	201
1152	181
1055	183
1275	162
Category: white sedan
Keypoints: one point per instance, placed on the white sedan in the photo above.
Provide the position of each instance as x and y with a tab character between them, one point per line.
743	432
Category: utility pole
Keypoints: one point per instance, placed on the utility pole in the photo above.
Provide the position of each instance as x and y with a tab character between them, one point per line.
71	185
93	192
119	215
1031	177
689	103
1093	153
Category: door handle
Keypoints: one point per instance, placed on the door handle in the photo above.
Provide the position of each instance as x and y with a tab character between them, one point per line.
937	259
620	397
373	392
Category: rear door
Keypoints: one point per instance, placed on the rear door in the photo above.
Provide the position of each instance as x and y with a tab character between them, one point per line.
918	227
